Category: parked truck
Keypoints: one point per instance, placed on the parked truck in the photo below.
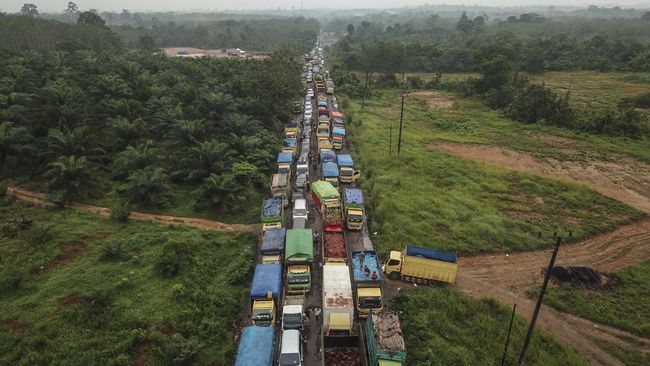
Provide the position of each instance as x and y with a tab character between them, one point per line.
347	173
327	155
272	247
384	341
272	213
284	161
290	146
265	293
338	137
354	208
330	172
293	311
256	346
299	255
280	188
328	200
338	305
366	278
291	130
423	265
324	143
334	249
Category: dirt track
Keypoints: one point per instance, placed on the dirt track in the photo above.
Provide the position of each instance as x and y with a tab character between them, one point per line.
41	200
623	179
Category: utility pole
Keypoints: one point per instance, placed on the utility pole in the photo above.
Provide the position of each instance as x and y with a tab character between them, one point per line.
505	349
401	118
531	327
390	139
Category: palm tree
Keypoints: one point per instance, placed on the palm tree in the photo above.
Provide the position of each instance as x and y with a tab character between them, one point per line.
242	146
203	159
71	176
218	191
68	142
13	145
134	158
189	132
146	186
216	105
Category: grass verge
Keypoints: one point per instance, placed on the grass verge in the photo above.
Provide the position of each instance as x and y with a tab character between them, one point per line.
77	289
444	327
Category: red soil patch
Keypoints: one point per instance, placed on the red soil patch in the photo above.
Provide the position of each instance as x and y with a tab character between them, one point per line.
71	301
436	100
68	253
142	355
15	326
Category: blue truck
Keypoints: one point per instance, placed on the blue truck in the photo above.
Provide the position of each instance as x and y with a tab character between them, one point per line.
256	346
331	173
366	277
265	293
272	247
284	161
347	173
327	155
338	138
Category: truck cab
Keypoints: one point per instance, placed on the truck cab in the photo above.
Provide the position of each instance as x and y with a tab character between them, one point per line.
263	312
324	143
265	291
298	279
292	312
338	137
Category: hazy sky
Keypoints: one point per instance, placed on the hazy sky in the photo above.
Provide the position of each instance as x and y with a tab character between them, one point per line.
220	5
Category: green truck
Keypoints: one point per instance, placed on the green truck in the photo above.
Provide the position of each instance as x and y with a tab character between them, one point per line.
384	341
298	257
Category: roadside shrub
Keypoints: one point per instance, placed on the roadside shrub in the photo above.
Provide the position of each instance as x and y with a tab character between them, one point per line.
121	211
114	250
415	82
174	257
37	234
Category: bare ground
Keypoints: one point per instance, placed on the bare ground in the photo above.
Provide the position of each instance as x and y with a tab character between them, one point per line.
623	179
40	199
436	100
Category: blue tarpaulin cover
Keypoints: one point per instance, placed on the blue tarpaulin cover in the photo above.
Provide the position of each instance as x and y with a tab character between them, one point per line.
322	103
345	160
338	122
273	207
256	346
285	157
354	195
361	260
330	169
289	142
338	131
327	155
273	240
267	278
431	254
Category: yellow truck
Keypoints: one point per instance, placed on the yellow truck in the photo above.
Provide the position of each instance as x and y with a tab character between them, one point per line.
422	265
324	143
323	129
366	277
281	188
265	293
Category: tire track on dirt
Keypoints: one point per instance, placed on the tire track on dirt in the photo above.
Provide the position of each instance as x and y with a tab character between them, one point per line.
40	199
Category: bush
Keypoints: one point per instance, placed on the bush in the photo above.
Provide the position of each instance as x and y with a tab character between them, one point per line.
174	257
121	211
114	250
37	235
415	82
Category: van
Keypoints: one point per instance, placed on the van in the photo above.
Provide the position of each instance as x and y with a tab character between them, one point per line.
291	348
300	209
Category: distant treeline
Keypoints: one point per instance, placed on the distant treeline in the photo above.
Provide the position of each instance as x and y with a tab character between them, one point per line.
253	35
530	42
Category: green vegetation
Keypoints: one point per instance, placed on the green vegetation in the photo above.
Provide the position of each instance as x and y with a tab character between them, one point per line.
431	199
624	306
154	131
630	357
81	289
444	327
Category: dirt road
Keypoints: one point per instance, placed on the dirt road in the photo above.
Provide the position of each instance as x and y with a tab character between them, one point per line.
622	178
40	199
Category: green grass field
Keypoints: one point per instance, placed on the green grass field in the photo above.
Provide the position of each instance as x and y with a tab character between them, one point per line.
444	327
625	307
429	198
79	289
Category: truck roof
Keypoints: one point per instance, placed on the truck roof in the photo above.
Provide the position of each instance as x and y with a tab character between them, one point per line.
330	169
338	131
299	243
325	190
430	253
337	289
289	142
327	155
354	196
292	309
279	179
387	332
273	240
345	160
267	278
272	207
285	157
334	245
361	260
337	115
292	123
256	346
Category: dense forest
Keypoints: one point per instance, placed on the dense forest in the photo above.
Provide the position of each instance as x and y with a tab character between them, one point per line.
86	124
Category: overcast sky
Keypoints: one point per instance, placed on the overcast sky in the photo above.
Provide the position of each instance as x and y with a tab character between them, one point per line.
223	5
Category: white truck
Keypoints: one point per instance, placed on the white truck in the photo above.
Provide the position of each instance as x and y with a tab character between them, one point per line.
292	312
338	303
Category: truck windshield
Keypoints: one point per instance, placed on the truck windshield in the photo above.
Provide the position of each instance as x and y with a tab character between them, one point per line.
370	302
292	321
355	218
289	359
299	278
346	173
299	212
261	315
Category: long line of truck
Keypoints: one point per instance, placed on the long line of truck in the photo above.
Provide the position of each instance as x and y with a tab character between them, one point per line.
356	329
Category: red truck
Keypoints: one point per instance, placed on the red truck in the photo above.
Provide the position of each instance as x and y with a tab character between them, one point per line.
328	200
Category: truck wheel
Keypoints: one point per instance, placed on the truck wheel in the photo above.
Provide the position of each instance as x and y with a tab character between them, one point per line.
394	276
